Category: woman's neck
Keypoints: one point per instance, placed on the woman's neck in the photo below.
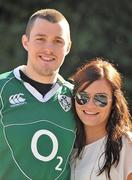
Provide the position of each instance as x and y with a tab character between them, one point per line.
94	133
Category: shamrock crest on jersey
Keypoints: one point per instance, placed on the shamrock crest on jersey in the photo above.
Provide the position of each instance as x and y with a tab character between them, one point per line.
65	102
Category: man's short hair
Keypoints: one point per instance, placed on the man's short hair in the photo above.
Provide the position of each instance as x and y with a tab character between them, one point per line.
50	15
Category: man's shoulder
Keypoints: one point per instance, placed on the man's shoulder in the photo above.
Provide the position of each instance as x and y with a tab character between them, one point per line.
66	83
4	77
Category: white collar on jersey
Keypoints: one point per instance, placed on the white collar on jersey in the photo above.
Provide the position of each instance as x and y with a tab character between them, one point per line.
33	91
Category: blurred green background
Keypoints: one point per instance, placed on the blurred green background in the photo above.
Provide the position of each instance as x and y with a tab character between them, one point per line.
98	28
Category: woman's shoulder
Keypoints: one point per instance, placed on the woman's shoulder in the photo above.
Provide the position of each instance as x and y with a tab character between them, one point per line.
126	153
127	141
127	137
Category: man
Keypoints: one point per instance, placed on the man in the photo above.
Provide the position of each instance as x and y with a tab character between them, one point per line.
37	128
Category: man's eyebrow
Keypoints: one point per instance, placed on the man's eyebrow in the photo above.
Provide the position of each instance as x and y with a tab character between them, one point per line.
59	37
42	35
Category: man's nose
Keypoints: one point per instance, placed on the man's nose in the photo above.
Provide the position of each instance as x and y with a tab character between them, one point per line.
48	47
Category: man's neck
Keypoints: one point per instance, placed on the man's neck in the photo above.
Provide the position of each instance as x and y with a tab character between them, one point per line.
49	79
40	87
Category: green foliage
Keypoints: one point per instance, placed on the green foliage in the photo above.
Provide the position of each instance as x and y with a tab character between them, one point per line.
98	28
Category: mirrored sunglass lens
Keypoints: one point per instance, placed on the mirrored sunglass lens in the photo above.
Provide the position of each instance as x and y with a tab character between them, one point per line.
101	100
81	98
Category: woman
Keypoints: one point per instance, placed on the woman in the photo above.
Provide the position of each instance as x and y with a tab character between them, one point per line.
104	140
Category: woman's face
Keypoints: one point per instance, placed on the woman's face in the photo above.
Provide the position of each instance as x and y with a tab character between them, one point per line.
95	111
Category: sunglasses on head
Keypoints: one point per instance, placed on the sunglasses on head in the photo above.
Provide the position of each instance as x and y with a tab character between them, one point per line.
98	99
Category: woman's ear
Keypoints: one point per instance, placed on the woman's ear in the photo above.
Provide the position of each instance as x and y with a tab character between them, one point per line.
25	42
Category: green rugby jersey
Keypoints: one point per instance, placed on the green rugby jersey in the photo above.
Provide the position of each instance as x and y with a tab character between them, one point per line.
36	133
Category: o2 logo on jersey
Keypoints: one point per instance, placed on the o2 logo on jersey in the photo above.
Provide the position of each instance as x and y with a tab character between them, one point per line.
53	153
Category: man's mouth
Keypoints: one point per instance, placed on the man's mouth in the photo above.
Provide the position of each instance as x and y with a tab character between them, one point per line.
47	59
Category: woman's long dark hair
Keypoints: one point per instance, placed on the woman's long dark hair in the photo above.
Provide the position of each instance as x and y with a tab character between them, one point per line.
119	120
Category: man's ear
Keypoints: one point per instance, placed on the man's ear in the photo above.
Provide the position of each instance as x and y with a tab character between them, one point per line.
69	47
25	42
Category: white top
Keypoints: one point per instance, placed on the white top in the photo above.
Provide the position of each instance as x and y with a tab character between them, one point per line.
87	167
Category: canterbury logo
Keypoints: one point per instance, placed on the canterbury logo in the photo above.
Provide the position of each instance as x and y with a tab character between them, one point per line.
17	99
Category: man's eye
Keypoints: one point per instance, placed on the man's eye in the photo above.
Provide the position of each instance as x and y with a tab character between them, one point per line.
58	41
40	39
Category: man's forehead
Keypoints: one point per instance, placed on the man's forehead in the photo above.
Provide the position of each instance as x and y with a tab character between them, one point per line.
62	27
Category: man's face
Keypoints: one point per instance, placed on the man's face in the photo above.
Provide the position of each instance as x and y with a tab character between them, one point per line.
47	47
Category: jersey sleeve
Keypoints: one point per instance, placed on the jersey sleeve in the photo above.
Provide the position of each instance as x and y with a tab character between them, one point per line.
0	103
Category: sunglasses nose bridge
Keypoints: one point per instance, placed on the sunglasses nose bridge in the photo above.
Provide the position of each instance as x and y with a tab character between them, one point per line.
91	101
